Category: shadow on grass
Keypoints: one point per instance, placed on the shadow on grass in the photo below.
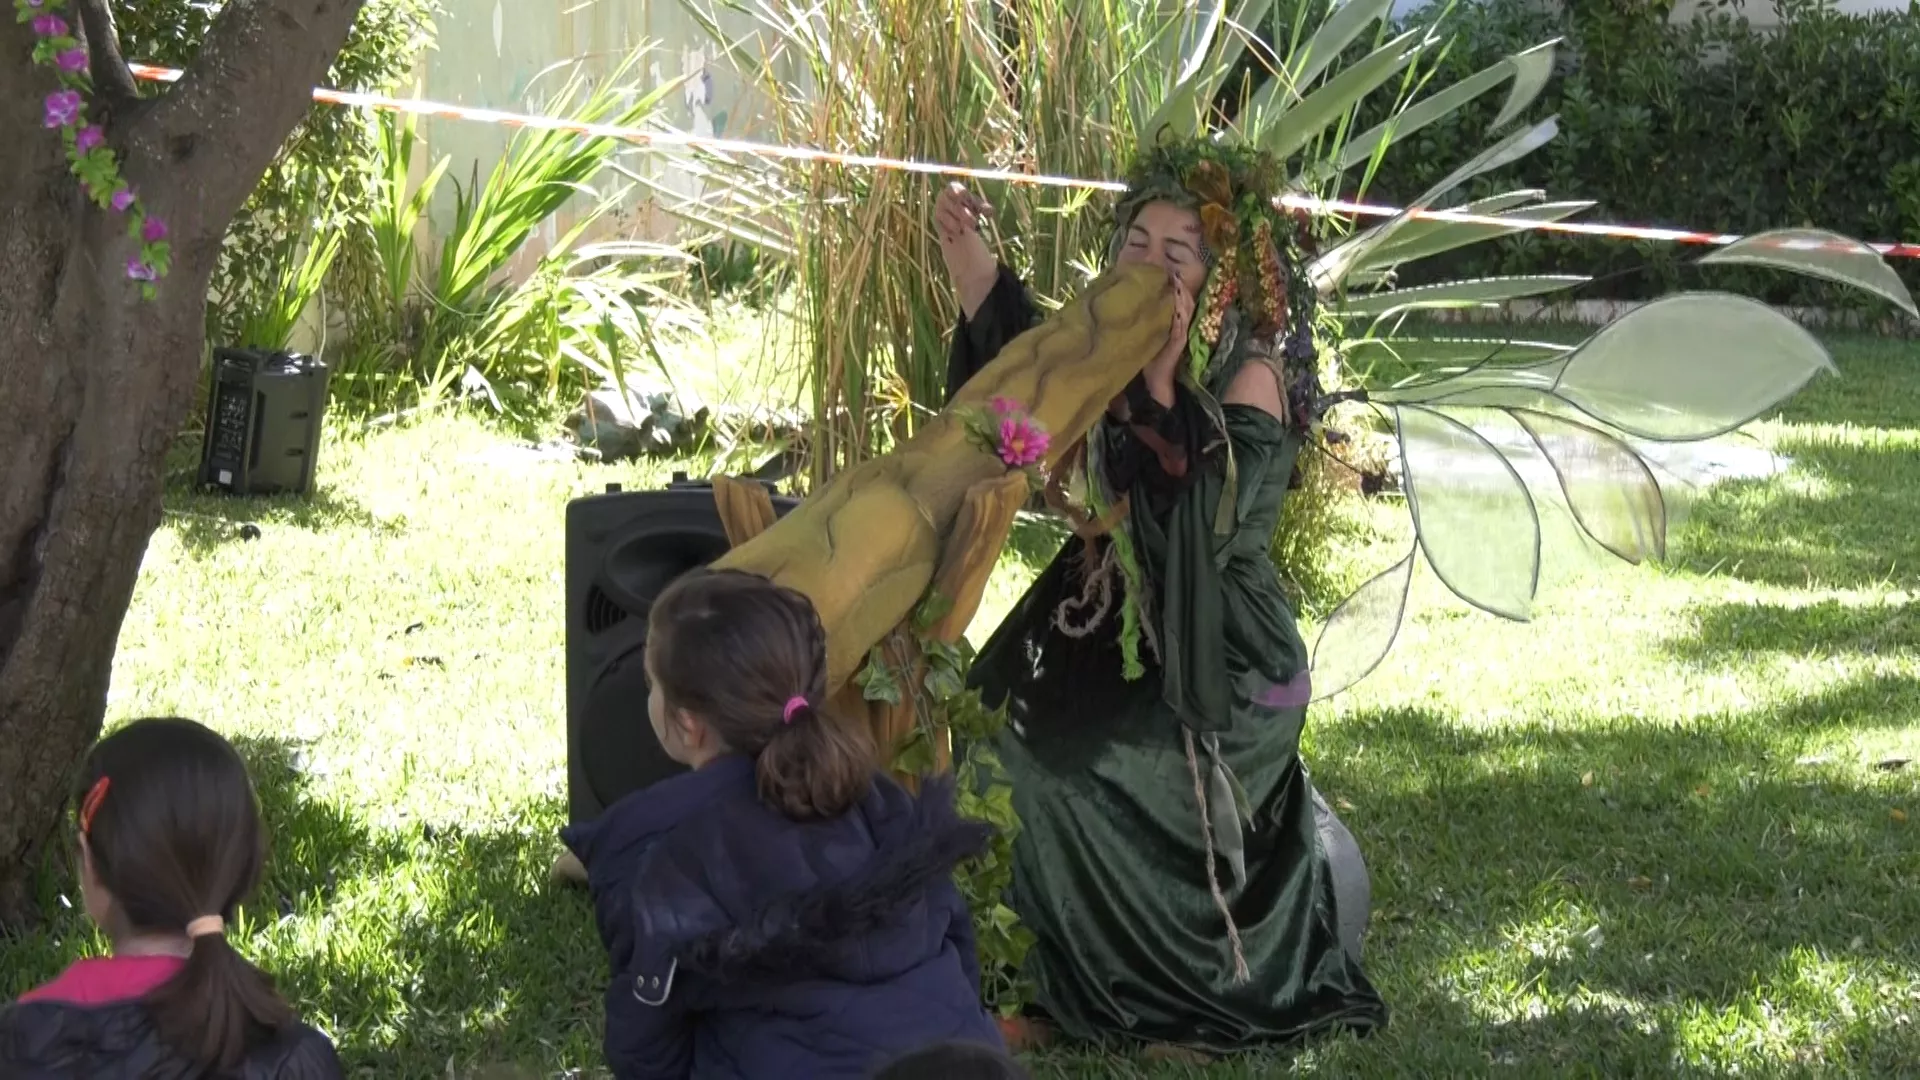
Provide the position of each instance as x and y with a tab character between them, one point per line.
1827	628
1449	1040
1844	521
1641	878
206	519
439	945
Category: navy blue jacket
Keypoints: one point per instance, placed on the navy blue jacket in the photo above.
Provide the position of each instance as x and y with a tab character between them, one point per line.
747	945
54	1040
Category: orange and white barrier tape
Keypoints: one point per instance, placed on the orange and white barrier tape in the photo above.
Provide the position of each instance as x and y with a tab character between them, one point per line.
645	137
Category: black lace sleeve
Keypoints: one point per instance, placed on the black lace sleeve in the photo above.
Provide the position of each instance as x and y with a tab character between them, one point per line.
1159	451
1006	313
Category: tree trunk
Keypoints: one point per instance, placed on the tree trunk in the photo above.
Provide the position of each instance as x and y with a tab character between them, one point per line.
95	382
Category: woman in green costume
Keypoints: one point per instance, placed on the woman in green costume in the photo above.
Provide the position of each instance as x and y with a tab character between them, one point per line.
1185	882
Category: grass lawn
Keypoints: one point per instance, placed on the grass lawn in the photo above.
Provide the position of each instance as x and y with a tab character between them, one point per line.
1647	833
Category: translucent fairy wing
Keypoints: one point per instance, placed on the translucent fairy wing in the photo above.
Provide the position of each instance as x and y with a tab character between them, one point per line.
1457	483
1361	631
1821	254
1613	493
1691	366
1438	354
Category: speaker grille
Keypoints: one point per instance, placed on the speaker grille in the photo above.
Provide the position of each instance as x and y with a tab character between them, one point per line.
602	613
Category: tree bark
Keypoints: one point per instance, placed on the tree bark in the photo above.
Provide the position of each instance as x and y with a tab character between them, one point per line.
95	382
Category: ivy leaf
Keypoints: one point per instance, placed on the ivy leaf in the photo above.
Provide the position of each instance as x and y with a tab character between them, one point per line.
931	610
942	682
877	681
946	670
915	755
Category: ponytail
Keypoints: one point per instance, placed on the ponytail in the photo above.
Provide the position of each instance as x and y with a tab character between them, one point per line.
749	658
218	1006
171	828
816	765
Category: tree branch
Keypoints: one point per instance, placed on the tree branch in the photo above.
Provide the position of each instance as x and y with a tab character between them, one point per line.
111	77
199	152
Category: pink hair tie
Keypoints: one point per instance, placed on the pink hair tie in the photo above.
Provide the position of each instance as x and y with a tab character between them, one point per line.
794	707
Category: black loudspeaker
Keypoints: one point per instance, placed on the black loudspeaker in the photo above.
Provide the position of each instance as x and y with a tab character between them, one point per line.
264	413
623	550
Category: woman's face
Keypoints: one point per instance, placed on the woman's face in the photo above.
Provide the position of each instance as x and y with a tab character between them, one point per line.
1167	236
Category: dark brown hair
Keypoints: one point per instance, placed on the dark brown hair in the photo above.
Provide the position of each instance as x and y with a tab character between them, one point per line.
170	817
735	649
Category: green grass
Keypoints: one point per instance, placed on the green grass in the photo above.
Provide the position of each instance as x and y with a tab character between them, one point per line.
1645	834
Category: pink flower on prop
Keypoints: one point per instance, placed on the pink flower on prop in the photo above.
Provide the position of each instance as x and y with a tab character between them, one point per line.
153	230
123	199
63	108
72	61
49	26
89	139
1005	406
1022	442
138	270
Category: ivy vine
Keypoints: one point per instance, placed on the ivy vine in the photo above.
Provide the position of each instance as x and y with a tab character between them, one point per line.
88	156
983	790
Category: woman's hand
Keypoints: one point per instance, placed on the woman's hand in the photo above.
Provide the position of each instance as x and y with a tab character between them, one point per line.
1165	368
970	265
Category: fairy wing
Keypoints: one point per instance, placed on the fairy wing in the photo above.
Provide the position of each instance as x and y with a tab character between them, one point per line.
1620	430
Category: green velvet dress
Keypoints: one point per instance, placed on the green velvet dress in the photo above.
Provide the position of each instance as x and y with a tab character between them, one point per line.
1111	867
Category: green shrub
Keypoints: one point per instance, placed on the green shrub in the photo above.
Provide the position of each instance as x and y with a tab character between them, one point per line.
1712	125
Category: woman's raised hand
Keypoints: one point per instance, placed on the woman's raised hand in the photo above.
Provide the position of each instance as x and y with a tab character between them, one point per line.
1165	368
970	265
957	213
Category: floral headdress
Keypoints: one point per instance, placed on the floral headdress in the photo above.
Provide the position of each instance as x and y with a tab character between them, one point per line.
1255	289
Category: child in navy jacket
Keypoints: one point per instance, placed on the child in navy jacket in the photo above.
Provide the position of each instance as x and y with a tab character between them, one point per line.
782	909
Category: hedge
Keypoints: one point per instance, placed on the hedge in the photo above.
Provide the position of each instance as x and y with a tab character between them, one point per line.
1711	125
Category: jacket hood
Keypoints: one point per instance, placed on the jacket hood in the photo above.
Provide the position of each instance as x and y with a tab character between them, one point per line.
737	891
845	926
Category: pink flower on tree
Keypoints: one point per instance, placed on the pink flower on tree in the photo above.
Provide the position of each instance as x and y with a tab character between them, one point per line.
49	26
72	61
91	138
63	108
1022	442
123	200
153	230
138	270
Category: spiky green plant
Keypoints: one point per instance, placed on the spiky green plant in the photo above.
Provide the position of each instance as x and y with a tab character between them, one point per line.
461	318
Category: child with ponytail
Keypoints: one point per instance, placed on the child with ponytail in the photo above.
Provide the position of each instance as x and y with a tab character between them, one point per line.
170	841
783	909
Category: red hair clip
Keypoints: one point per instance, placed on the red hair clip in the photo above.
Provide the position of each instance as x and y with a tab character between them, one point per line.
90	805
